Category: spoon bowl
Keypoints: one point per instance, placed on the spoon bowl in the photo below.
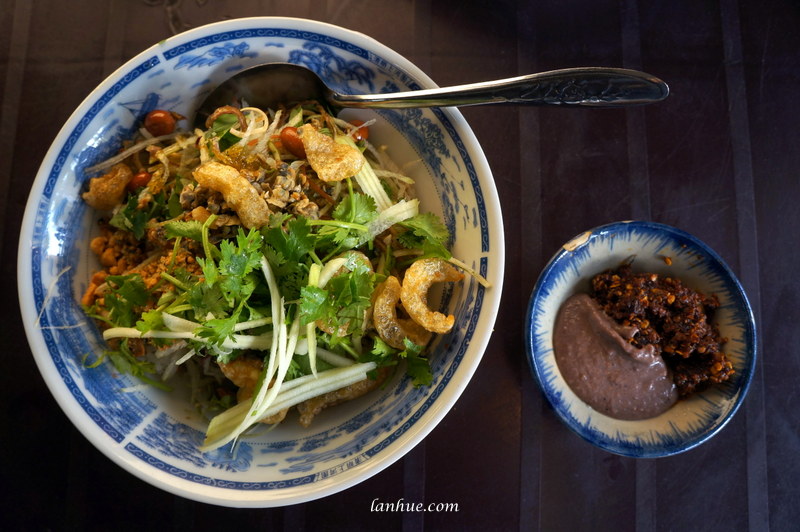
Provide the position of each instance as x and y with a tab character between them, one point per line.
271	84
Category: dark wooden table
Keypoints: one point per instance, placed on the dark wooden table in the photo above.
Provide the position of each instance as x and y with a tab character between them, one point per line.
720	159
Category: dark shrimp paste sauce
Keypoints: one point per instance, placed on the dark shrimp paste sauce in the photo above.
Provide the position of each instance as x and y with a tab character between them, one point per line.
638	343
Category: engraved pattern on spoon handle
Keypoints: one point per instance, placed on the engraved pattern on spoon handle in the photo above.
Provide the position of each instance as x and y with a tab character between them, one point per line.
591	86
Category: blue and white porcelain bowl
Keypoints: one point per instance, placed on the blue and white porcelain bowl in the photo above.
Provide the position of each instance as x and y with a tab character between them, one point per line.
155	435
664	250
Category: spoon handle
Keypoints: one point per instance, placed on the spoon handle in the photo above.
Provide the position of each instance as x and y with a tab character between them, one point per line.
586	86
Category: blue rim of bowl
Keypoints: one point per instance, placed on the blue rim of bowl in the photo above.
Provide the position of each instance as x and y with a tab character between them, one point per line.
732	285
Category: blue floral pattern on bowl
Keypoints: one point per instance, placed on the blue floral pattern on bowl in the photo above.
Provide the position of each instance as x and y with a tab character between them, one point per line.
154	434
691	421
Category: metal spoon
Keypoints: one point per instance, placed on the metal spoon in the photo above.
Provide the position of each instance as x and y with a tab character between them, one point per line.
267	85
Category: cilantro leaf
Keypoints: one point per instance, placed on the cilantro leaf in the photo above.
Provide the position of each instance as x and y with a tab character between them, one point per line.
315	305
218	329
351	294
236	289
236	263
350	223
152	320
230	281
205	298
187	229
294	243
381	353
240	258
356	208
134	219
287	250
342	304
210	270
130	218
417	366
427	232
126	294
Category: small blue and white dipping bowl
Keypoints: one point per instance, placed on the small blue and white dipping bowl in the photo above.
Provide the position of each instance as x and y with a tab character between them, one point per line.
663	250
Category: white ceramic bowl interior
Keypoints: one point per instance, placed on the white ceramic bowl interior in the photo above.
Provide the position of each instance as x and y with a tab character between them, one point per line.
155	435
691	421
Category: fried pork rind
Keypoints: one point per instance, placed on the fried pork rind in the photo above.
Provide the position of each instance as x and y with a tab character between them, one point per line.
391	329
310	408
330	160
107	191
414	293
238	192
